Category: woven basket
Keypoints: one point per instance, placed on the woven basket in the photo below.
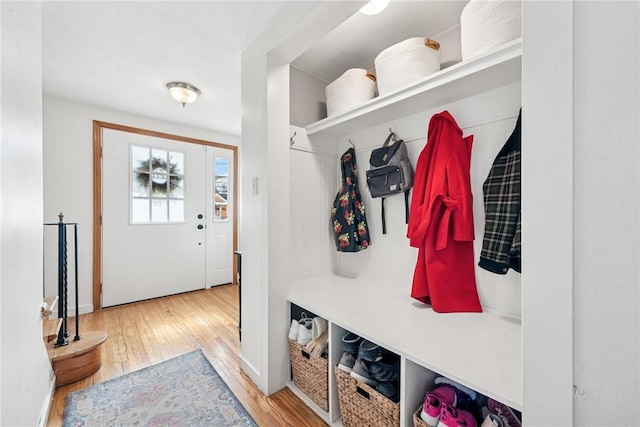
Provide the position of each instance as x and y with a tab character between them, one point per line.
405	63
417	421
310	374
486	24
363	406
355	87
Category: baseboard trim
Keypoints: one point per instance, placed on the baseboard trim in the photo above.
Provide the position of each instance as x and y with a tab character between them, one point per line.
248	369
71	310
48	400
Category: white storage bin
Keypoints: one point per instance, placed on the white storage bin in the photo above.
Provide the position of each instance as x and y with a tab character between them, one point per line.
406	62
486	24
355	87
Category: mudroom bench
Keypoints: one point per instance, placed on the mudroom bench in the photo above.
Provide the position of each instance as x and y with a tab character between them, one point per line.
482	351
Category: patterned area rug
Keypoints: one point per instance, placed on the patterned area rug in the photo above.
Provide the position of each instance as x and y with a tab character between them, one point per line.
183	391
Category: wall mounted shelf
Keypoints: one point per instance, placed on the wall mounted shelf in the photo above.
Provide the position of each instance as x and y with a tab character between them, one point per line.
462	80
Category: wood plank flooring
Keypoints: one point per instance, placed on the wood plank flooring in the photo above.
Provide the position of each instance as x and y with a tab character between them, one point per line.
145	333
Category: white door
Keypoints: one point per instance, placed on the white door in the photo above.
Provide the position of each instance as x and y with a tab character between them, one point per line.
156	217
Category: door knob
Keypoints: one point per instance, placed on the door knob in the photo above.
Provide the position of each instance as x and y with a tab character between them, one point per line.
200	226
200	216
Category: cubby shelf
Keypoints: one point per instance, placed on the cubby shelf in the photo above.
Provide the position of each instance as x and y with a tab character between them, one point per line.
464	79
480	350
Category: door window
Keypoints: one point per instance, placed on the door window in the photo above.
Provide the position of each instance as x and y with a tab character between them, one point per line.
157	185
221	189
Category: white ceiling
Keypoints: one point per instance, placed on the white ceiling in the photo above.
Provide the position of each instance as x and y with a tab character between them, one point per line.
120	54
357	41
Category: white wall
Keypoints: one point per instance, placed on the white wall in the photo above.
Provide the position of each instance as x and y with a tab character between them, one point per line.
25	371
607	213
547	209
490	117
68	180
264	313
307	106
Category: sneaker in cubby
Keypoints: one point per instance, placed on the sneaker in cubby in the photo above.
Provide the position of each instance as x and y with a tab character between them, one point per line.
350	346
434	401
504	412
346	362
387	369
451	416
360	372
304	333
370	352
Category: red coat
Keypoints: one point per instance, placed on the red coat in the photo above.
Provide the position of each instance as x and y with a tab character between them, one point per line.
441	220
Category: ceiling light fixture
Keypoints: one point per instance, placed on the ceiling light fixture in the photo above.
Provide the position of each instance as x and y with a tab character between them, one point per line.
374	7
183	92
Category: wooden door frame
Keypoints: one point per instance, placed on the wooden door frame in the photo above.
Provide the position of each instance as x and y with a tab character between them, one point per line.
98	126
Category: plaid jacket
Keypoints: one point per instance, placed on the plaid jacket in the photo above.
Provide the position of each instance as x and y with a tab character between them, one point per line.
501	242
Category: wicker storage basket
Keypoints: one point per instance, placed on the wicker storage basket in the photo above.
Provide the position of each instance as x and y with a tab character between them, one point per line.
405	63
355	87
310	374
363	406
486	24
417	421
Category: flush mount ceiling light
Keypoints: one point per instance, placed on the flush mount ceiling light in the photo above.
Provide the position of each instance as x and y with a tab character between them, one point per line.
374	7
183	92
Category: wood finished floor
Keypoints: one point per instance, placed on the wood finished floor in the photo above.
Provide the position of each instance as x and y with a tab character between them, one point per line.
149	332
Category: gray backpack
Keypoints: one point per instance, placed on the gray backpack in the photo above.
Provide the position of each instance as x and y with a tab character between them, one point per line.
390	173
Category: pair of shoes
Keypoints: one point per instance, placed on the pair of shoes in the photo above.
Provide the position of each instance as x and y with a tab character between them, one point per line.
350	346
378	368
434	402
294	329
351	361
508	416
300	330
318	345
450	416
448	406
367	352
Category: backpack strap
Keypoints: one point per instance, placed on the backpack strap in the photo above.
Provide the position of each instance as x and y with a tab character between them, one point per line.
406	206
406	211
384	222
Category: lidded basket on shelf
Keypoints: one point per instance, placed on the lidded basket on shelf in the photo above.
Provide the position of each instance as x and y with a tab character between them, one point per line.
354	87
486	24
406	62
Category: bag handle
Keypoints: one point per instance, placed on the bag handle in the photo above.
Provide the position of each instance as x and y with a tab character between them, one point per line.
431	43
391	137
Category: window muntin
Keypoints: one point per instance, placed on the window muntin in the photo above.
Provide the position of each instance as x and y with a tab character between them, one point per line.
157	185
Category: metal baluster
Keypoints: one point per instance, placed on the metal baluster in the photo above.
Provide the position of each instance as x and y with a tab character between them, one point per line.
61	341
75	242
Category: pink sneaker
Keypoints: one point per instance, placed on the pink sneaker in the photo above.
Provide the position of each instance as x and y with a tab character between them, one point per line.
433	402
452	417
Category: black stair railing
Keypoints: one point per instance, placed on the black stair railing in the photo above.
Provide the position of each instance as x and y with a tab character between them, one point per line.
63	279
